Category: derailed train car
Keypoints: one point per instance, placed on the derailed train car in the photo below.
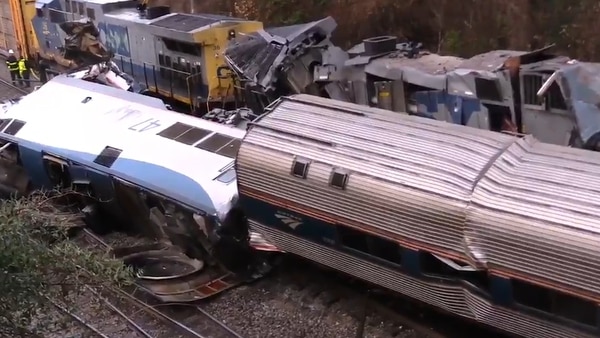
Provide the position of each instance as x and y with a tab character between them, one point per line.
495	228
126	158
536	92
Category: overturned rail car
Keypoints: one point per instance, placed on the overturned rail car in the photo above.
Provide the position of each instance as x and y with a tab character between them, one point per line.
130	160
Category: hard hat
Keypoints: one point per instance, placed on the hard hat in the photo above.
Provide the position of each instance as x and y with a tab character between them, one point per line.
10	51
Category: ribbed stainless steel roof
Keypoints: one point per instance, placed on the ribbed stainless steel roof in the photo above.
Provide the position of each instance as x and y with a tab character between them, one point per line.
431	155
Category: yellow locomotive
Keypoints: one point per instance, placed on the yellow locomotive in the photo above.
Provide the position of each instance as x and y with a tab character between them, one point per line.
178	56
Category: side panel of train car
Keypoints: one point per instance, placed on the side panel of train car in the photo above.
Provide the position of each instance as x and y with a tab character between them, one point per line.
426	209
178	56
13	32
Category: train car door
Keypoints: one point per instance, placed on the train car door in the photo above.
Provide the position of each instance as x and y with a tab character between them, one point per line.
57	171
131	200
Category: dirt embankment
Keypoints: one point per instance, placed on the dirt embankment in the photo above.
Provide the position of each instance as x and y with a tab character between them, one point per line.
462	27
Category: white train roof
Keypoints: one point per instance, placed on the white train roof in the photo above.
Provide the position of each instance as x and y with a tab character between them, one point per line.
187	158
123	109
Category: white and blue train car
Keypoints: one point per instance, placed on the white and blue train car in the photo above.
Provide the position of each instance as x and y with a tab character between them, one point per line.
131	155
502	230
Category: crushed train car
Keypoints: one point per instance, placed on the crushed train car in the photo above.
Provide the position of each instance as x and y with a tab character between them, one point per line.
498	90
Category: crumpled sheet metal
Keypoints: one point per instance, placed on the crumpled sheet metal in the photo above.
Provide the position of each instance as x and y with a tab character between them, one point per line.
580	86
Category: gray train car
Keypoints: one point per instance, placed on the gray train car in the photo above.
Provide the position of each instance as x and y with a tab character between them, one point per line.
495	228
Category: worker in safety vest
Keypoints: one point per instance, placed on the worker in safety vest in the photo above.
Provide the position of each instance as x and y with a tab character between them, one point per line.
13	67
24	71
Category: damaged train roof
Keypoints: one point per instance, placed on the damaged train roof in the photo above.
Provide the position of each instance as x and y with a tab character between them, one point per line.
302	59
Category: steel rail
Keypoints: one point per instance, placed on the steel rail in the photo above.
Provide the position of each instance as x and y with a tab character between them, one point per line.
158	313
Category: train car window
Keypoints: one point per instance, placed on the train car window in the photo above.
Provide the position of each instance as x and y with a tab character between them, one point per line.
214	142
91	13
39	12
193	135
170	44
353	239
555	98
57	171
487	89
226	177
168	71
554	302
230	149
56	16
300	167
188	48
384	249
108	156
338	179
531	84
430	265
14	127
175	130
81	9
68	6
161	64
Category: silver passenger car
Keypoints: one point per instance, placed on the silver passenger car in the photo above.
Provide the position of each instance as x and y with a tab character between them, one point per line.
463	219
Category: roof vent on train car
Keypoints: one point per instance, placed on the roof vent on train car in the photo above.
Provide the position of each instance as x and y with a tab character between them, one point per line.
379	45
157	12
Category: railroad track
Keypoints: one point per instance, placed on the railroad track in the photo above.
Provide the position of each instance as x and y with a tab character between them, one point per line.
189	320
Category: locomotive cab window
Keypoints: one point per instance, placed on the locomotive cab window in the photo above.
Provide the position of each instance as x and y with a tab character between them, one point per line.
81	9
300	167
338	179
487	89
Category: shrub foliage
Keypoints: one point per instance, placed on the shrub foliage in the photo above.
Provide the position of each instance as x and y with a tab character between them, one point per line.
39	265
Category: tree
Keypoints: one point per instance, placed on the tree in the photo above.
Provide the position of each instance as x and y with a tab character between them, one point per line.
40	265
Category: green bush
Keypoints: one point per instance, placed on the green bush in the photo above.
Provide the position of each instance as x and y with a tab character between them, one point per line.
39	264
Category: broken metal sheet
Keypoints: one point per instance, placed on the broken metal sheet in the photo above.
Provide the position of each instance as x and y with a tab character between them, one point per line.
82	45
264	57
580	86
490	61
546	66
427	70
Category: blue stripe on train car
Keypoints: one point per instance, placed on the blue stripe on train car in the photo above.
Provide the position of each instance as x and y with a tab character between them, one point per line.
288	221
460	108
153	177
